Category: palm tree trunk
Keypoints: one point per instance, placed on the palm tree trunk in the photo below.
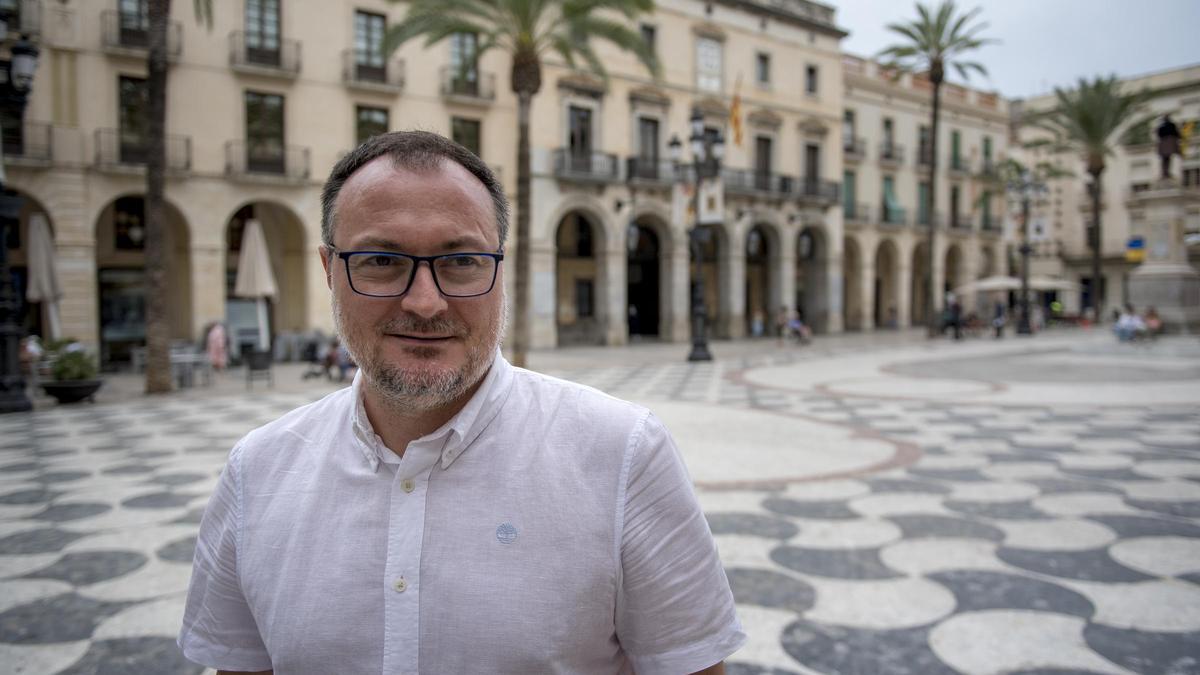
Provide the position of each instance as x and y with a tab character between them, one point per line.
158	332
520	341
932	315
1097	246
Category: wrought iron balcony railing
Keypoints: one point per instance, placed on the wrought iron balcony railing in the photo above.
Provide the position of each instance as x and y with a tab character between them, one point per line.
469	85
960	164
245	158
894	215
25	18
31	141
891	153
924	218
116	149
650	170
856	212
601	167
924	156
960	221
756	182
854	149
126	32
813	189
368	70
254	53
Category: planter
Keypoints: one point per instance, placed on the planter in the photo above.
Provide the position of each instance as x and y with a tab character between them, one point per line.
72	391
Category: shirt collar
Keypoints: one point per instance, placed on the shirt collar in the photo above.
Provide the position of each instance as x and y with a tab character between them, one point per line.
457	433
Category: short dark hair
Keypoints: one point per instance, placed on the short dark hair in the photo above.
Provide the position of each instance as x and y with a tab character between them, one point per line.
415	151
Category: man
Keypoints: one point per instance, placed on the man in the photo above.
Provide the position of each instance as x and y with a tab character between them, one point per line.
449	513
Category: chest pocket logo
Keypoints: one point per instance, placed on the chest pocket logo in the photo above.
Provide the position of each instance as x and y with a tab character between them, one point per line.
506	533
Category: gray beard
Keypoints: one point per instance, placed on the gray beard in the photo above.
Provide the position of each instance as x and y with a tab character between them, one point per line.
417	389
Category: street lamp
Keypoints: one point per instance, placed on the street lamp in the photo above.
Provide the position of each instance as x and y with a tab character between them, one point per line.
1026	186
14	95
706	163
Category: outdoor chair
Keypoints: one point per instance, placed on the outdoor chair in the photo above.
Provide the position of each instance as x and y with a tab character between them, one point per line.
258	365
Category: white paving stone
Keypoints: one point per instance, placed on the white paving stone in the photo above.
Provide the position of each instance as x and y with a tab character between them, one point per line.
953	462
1160	556
1019	470
1166	606
17	565
15	592
881	603
1168	468
1095	461
926	556
826	490
738	550
40	659
845	534
1055	535
1083	504
1166	490
1001	641
153	580
160	618
764	627
993	492
897	503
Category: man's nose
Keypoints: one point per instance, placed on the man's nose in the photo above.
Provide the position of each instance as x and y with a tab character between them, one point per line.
423	297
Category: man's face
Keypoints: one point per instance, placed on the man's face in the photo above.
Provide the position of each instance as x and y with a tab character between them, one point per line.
421	350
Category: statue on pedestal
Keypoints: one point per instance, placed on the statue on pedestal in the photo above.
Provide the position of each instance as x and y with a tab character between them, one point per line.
1168	144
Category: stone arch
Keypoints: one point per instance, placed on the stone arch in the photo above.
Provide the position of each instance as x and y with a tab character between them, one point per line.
812	256
287	247
887	284
921	277
649	267
30	318
953	269
579	244
120	268
713	243
762	250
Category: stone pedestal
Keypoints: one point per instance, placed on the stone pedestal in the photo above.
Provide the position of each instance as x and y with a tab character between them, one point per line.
1165	280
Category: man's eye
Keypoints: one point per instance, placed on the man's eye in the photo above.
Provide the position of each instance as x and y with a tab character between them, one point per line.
380	261
464	261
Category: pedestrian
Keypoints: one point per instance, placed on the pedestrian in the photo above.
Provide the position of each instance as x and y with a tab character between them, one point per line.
782	318
216	345
449	512
956	318
1129	326
999	318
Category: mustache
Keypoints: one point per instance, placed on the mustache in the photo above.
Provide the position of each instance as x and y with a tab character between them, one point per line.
416	324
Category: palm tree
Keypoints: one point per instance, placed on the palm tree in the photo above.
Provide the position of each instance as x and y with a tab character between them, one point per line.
1087	119
158	329
936	39
528	30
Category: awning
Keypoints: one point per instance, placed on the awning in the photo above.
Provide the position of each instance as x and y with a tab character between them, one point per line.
993	283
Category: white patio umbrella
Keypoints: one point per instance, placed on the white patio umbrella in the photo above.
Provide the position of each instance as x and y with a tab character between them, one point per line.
255	279
993	283
1042	283
43	275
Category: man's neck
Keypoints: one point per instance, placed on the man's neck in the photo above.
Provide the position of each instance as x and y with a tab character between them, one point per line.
399	425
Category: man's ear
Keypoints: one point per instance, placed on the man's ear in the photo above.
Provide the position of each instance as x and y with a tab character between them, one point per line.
323	251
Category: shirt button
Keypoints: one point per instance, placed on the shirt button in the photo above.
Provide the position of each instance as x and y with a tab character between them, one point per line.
400	585
407	485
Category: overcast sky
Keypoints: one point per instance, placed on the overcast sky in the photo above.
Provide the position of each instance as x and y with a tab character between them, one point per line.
1048	43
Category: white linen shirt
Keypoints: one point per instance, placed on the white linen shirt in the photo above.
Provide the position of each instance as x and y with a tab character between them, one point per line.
546	528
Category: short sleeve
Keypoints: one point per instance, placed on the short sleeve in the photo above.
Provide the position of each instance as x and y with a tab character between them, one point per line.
675	611
219	630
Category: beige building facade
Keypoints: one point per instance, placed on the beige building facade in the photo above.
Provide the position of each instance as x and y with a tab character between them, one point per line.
1061	223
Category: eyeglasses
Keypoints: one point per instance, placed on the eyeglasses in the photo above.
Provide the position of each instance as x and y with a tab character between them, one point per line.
381	274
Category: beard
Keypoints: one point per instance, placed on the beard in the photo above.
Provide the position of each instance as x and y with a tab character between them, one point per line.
422	386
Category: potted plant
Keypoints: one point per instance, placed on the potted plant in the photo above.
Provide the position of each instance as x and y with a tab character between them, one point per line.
73	375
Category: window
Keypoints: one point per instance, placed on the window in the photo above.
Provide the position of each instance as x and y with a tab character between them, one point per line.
889	138
369	122
924	155
708	64
849	194
955	197
890	207
262	32
987	153
464	64
987	210
583	298
923	203
647	159
133	119
368	46
762	162
762	68
848	130
129	230
650	37
579	137
812	163
264	133
133	18
466	132
810	80
955	150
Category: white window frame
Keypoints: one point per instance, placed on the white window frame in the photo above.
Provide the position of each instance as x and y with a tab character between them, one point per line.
710	49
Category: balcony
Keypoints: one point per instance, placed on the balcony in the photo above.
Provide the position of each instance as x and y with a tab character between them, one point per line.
891	154
924	157
923	219
856	212
989	169
988	224
126	34
471	86
255	55
649	171
757	183
28	145
585	167
960	221
266	161
127	152
823	192
854	149
959	165
364	71
25	19
892	216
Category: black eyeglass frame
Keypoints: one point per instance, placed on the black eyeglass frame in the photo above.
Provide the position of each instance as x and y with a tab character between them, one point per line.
417	260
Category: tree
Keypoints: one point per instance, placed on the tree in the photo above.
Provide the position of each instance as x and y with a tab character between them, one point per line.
158	329
1087	120
936	39
528	30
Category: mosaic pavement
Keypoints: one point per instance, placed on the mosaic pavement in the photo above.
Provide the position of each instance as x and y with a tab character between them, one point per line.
928	534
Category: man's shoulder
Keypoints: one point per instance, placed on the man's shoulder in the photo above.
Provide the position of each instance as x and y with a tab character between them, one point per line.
549	392
302	425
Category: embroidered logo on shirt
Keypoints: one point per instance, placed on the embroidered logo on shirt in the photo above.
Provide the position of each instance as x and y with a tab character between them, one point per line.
506	533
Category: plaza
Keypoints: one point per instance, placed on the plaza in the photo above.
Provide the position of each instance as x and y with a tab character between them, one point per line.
882	503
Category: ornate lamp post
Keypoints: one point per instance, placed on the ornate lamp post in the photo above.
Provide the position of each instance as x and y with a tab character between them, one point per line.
1027	187
13	96
706	163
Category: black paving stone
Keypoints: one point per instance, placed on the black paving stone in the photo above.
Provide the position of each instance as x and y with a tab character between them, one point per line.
133	656
175	479
63	476
1018	510
1185	509
1090	565
1048	449
61	513
886	485
963	475
977	590
43	540
919	526
1128	527
858	563
1108	474
822	510
1060	486
180	551
770	589
1146	652
157	500
192	517
62	618
18	467
151	454
856	651
127	469
739	668
55	452
1055	671
751	524
33	496
90	567
1193	577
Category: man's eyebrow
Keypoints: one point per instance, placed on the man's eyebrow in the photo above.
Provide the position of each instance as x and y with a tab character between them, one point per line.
384	244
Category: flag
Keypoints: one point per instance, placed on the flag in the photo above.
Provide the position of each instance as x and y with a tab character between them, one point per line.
735	112
1186	136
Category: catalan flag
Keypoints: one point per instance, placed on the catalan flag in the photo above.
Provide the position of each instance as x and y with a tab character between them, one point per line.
735	112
